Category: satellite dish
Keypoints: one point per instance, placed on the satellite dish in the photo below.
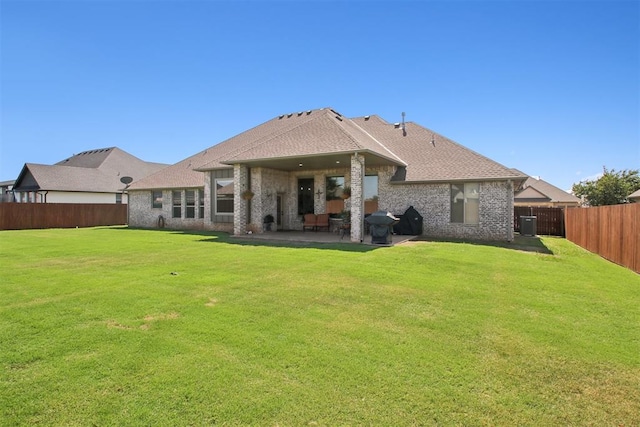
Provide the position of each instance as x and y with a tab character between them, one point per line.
126	180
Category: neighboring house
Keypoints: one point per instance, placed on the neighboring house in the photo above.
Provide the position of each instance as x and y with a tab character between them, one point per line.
539	193
94	176
302	162
6	191
634	197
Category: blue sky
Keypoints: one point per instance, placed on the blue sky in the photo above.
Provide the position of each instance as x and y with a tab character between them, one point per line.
549	87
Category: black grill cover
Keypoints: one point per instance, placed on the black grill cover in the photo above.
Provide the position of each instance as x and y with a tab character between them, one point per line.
381	225
410	223
381	218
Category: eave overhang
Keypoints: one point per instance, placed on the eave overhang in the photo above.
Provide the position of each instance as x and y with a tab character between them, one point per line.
312	162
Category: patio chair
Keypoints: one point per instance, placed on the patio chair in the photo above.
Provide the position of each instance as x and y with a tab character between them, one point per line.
309	221
322	221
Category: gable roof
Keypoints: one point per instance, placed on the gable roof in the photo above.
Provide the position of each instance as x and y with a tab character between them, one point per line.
535	189
635	196
319	138
305	134
96	171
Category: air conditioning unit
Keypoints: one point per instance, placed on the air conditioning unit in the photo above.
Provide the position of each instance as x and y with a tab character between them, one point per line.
528	226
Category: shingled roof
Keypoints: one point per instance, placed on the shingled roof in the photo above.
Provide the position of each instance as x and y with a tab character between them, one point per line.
324	137
538	190
96	171
431	157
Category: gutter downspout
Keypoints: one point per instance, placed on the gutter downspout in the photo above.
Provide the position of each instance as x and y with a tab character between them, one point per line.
43	196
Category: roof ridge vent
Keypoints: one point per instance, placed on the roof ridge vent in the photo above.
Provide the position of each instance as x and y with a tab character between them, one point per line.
336	113
367	118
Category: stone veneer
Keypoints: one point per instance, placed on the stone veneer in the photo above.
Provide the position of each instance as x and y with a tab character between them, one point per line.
143	215
432	201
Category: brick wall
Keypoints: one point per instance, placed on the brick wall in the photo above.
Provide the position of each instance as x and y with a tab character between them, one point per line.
432	202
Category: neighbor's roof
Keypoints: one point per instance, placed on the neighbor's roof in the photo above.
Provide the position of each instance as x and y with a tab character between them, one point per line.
535	189
420	154
97	171
635	195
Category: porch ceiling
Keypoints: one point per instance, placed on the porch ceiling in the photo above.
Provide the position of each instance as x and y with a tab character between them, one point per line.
325	161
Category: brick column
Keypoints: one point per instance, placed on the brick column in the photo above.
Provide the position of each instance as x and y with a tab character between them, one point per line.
357	197
240	184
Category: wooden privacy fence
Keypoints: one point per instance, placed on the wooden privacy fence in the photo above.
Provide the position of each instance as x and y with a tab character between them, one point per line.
19	216
612	232
549	221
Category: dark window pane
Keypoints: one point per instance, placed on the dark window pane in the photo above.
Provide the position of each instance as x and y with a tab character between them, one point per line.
191	204
305	196
156	199
224	196
457	203
201	203
177	204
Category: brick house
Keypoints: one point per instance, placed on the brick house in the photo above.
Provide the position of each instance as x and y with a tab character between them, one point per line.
303	162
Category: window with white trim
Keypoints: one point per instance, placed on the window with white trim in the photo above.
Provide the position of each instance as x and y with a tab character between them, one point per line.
465	203
190	198
176	197
156	199
224	196
200	203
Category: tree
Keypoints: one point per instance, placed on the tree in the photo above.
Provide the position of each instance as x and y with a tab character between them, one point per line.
612	188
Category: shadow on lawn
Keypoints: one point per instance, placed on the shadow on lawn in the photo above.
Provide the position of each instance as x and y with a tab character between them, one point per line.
226	238
520	243
242	241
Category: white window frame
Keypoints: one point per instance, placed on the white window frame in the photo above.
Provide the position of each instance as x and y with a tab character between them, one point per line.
215	195
470	191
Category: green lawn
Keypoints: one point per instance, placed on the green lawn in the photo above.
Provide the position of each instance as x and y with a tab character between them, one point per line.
112	326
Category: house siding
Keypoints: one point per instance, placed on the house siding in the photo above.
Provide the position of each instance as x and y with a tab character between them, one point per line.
67	197
432	201
213	221
143	215
267	184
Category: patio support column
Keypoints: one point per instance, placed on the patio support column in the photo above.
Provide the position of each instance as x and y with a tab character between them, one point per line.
357	197
240	184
